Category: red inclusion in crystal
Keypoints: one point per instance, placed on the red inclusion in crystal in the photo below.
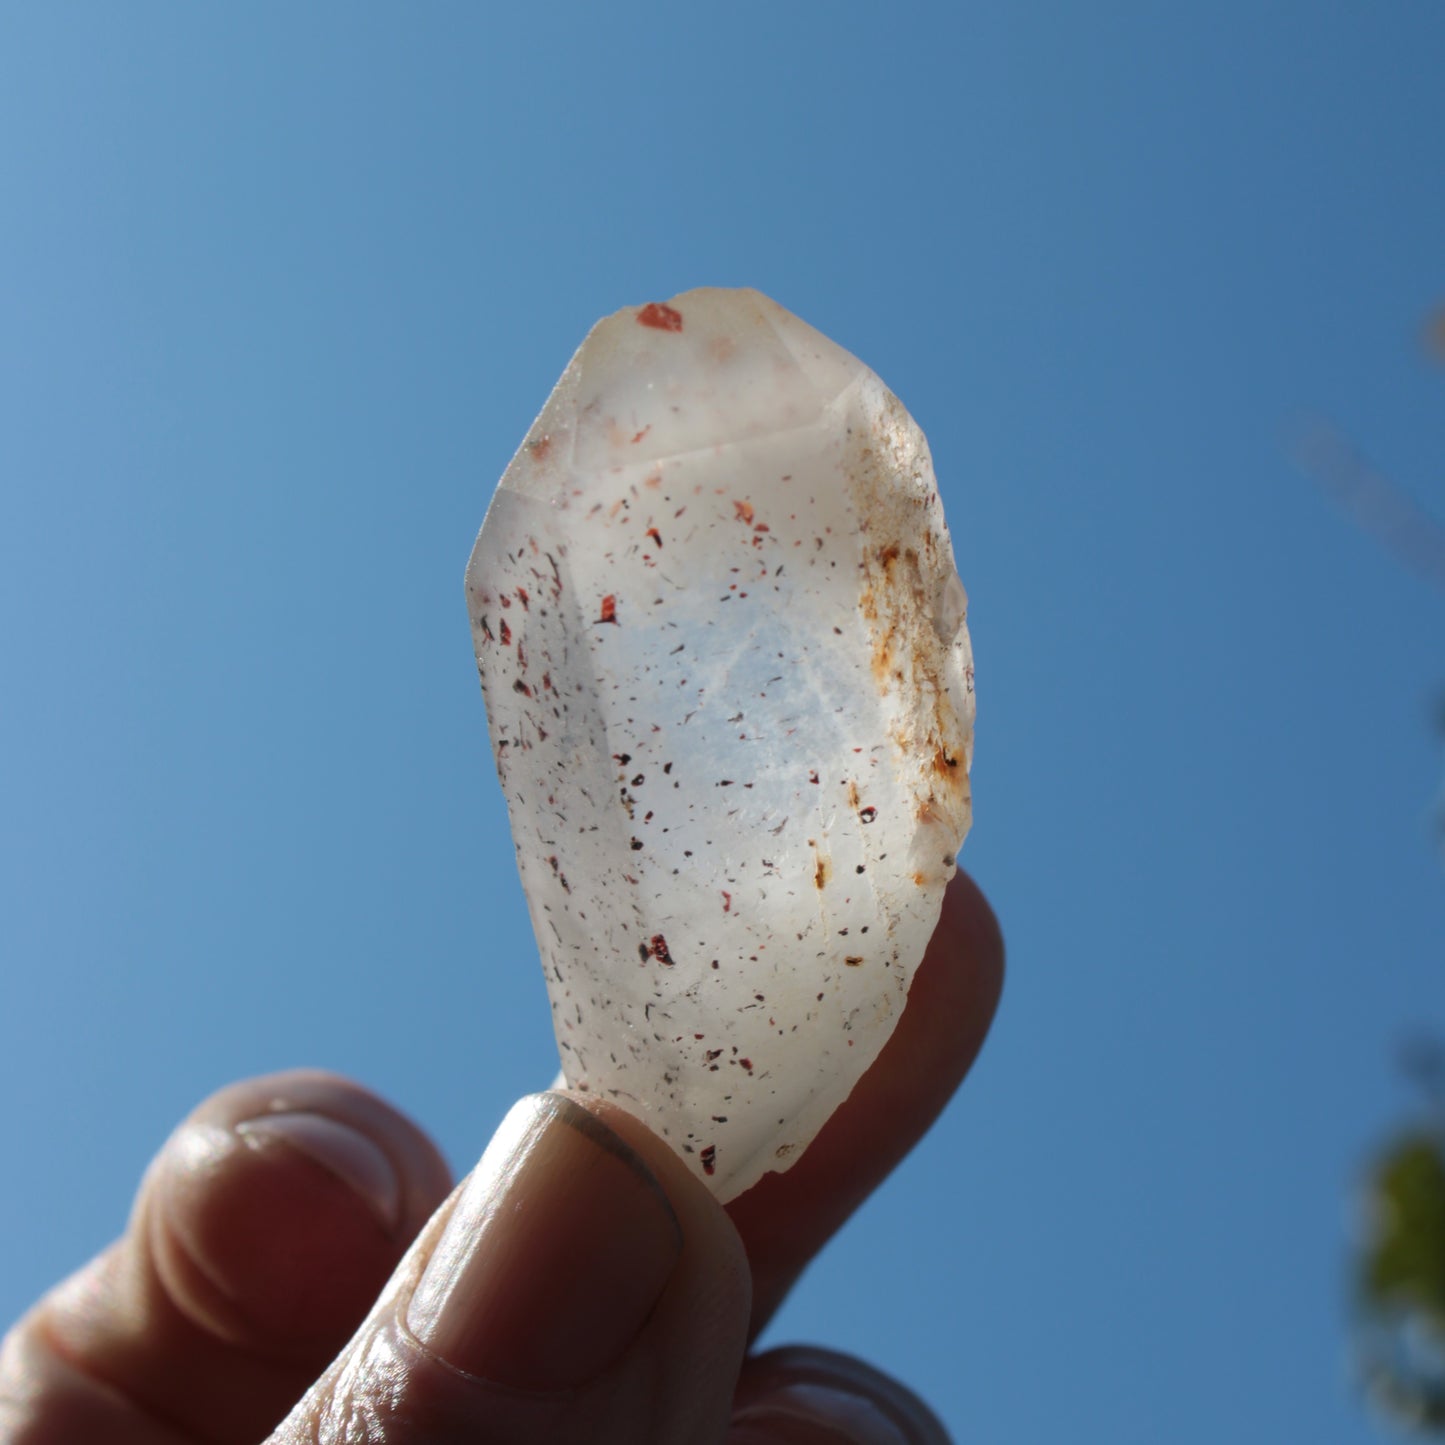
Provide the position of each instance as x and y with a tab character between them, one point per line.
660	317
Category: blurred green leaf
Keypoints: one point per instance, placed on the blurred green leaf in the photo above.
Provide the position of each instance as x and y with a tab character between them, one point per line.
1401	1282
1406	1263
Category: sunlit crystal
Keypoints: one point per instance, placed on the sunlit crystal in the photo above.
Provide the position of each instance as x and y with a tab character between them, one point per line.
730	693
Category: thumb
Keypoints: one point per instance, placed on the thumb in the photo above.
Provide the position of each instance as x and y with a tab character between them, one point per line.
580	1285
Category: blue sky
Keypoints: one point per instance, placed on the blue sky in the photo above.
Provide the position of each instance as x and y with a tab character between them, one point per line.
285	287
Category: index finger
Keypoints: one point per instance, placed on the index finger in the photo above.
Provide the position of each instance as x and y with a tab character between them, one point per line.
785	1219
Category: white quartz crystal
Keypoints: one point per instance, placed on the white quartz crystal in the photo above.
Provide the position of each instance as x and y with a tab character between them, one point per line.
730	692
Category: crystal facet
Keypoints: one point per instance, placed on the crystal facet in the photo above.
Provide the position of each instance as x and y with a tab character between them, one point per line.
729	686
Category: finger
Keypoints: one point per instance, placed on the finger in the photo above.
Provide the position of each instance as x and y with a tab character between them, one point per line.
803	1396
580	1286
259	1239
785	1219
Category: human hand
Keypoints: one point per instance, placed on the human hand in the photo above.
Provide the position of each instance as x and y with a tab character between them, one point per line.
581	1286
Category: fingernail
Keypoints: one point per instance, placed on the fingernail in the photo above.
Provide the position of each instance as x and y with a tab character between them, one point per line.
555	1254
339	1149
818	1415
814	1397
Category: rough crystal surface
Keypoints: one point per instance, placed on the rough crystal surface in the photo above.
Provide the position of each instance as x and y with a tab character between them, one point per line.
730	692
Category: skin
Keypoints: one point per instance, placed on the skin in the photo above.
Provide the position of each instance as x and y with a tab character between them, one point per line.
261	1289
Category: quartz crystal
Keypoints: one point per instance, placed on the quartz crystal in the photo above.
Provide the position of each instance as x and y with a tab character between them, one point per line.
730	693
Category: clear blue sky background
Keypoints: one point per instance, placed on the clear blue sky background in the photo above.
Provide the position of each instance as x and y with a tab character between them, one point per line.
283	287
